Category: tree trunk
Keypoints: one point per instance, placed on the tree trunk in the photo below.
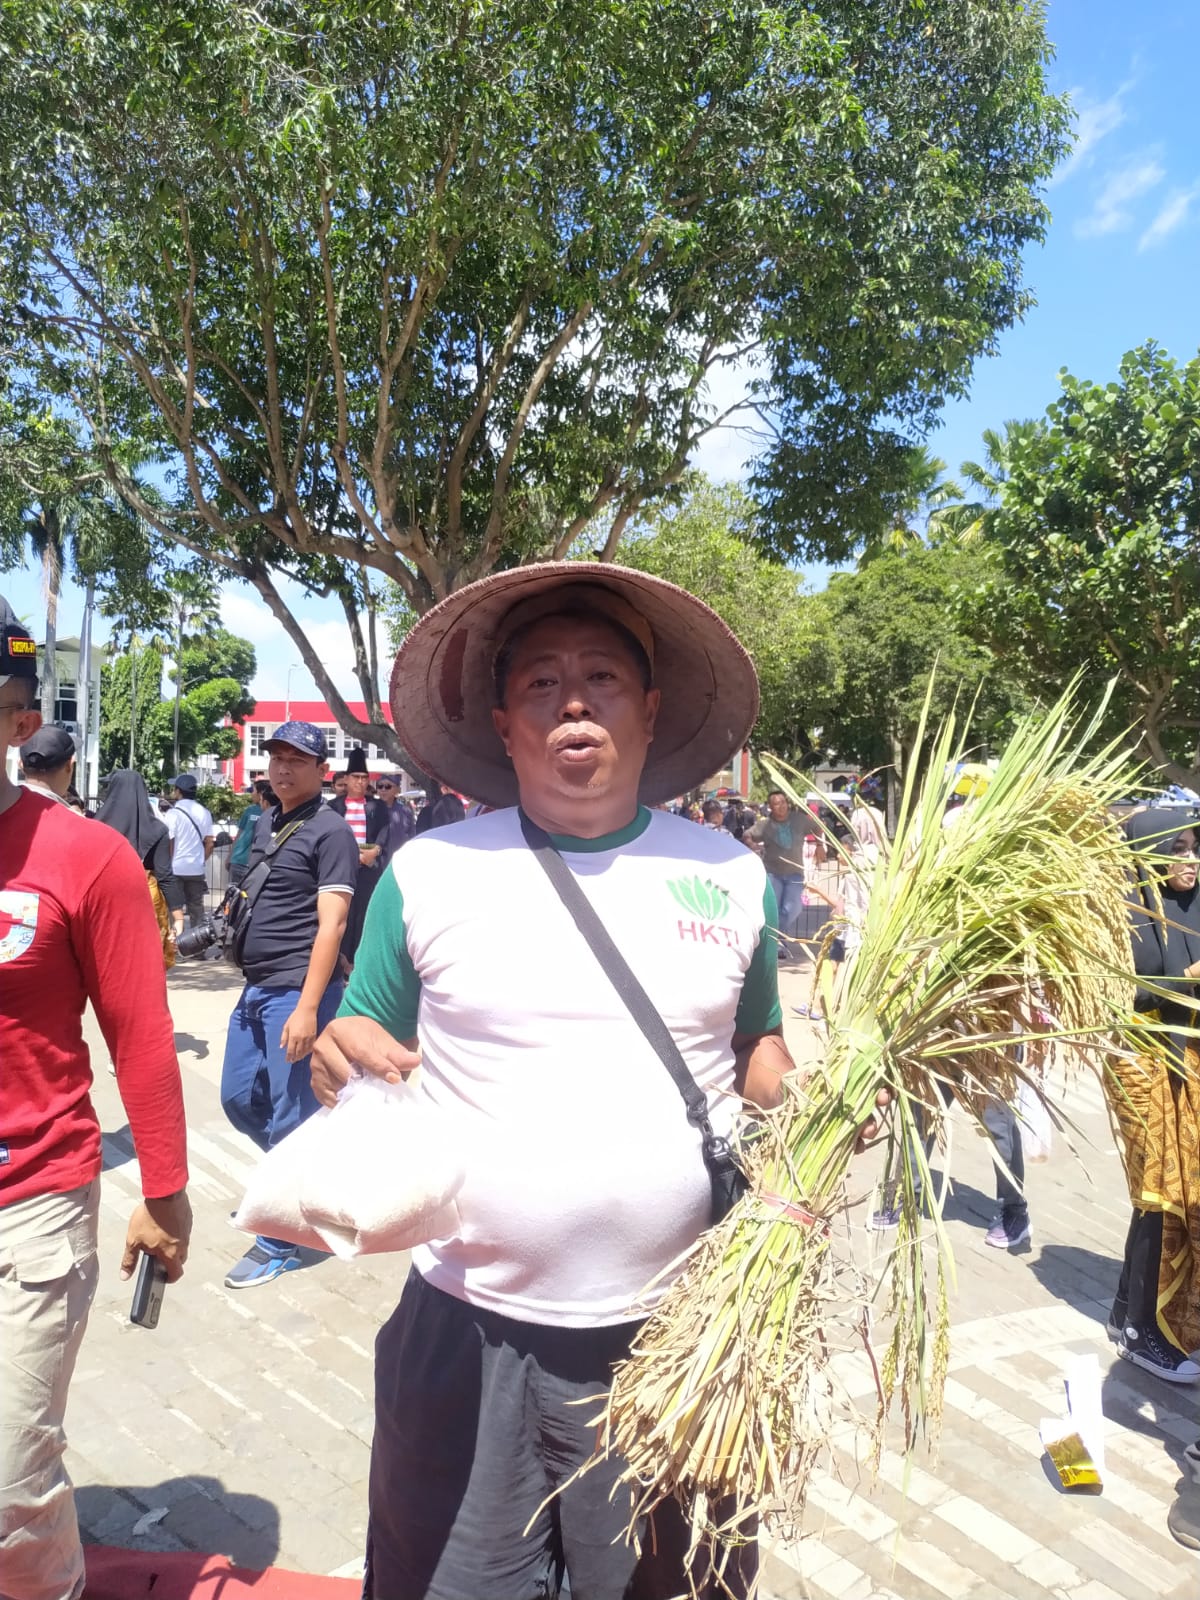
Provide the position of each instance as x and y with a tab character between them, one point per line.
895	776
1151	746
377	732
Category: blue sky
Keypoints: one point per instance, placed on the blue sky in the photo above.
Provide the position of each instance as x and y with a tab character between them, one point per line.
1121	265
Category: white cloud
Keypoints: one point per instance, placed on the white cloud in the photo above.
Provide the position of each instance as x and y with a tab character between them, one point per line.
243	613
1111	211
1094	120
1172	214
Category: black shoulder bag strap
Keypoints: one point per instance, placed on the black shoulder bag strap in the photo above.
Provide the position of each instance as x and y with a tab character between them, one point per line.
241	898
728	1180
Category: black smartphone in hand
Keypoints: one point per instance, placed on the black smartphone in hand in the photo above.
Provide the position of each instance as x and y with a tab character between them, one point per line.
148	1289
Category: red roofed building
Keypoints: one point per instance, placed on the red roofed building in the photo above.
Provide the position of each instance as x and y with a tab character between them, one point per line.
251	762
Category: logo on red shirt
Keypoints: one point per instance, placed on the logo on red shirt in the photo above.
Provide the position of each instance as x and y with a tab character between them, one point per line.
18	922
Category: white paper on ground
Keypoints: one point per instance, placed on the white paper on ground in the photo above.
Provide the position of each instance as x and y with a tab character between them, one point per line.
1085	1415
1085	1405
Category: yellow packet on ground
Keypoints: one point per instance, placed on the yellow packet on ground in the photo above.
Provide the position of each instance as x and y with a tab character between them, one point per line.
1075	1444
1070	1456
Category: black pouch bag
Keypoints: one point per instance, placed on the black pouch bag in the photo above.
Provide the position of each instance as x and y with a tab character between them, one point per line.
728	1180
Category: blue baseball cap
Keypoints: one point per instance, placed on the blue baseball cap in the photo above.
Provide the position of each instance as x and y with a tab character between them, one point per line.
303	736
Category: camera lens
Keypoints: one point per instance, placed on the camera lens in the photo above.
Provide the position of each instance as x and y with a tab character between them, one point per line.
196	940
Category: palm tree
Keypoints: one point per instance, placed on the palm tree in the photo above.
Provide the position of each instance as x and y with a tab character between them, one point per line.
975	519
925	496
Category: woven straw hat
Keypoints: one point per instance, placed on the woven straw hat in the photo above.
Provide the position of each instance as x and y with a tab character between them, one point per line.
443	691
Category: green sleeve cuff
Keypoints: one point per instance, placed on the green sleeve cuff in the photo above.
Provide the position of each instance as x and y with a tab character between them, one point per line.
759	1009
384	984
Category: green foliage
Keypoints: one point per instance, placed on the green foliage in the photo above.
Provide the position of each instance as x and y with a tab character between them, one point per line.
1096	542
221	801
704	544
220	654
426	289
894	619
216	670
130	689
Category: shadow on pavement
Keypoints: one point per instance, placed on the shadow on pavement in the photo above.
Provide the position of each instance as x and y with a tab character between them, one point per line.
204	975
200	1514
964	1203
1140	1402
1083	1278
117	1148
189	1042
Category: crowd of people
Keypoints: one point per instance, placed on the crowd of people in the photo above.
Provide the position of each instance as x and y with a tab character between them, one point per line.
372	940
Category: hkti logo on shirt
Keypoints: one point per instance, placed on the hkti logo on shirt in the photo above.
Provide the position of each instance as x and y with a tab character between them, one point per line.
708	905
18	922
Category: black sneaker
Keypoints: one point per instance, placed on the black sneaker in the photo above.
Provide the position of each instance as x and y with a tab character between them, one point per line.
1150	1351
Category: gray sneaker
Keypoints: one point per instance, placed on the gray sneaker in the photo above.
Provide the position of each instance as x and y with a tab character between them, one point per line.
1183	1519
1009	1233
261	1265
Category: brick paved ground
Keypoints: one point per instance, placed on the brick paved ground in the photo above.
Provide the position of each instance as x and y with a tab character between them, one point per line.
247	1416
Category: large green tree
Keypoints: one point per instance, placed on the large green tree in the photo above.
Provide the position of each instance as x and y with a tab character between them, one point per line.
426	289
895	618
707	545
1095	535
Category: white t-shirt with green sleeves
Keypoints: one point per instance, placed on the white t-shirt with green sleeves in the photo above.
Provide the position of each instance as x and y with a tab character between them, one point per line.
584	1177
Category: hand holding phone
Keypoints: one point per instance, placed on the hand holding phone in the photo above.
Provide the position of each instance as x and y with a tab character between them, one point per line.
148	1289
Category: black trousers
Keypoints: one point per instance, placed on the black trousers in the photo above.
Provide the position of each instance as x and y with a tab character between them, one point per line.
1136	1301
478	1435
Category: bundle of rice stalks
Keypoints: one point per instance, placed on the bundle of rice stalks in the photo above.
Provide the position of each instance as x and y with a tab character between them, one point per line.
1009	927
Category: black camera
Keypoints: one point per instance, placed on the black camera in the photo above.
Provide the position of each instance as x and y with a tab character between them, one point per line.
197	940
225	930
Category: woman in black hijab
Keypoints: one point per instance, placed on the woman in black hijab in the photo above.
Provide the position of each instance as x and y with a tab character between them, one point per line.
127	809
1155	1317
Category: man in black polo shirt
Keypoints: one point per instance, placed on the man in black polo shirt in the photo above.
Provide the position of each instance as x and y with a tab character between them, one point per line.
289	961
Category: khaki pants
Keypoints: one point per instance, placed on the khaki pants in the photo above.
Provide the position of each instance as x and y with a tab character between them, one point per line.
48	1273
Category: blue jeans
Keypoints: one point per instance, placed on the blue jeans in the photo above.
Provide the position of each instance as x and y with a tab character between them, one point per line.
788	898
265	1095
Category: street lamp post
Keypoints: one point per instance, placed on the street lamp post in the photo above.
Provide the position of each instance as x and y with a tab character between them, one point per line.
296	666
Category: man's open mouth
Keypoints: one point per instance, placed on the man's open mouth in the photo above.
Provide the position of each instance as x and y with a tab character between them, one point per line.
576	746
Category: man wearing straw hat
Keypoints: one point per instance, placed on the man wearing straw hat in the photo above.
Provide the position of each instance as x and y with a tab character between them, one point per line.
572	698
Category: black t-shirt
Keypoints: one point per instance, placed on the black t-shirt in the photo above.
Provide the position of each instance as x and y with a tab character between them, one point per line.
320	854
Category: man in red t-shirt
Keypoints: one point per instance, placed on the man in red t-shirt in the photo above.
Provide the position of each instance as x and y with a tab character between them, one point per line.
76	925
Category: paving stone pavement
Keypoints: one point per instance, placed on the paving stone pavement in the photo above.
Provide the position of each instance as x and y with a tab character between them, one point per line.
246	1416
